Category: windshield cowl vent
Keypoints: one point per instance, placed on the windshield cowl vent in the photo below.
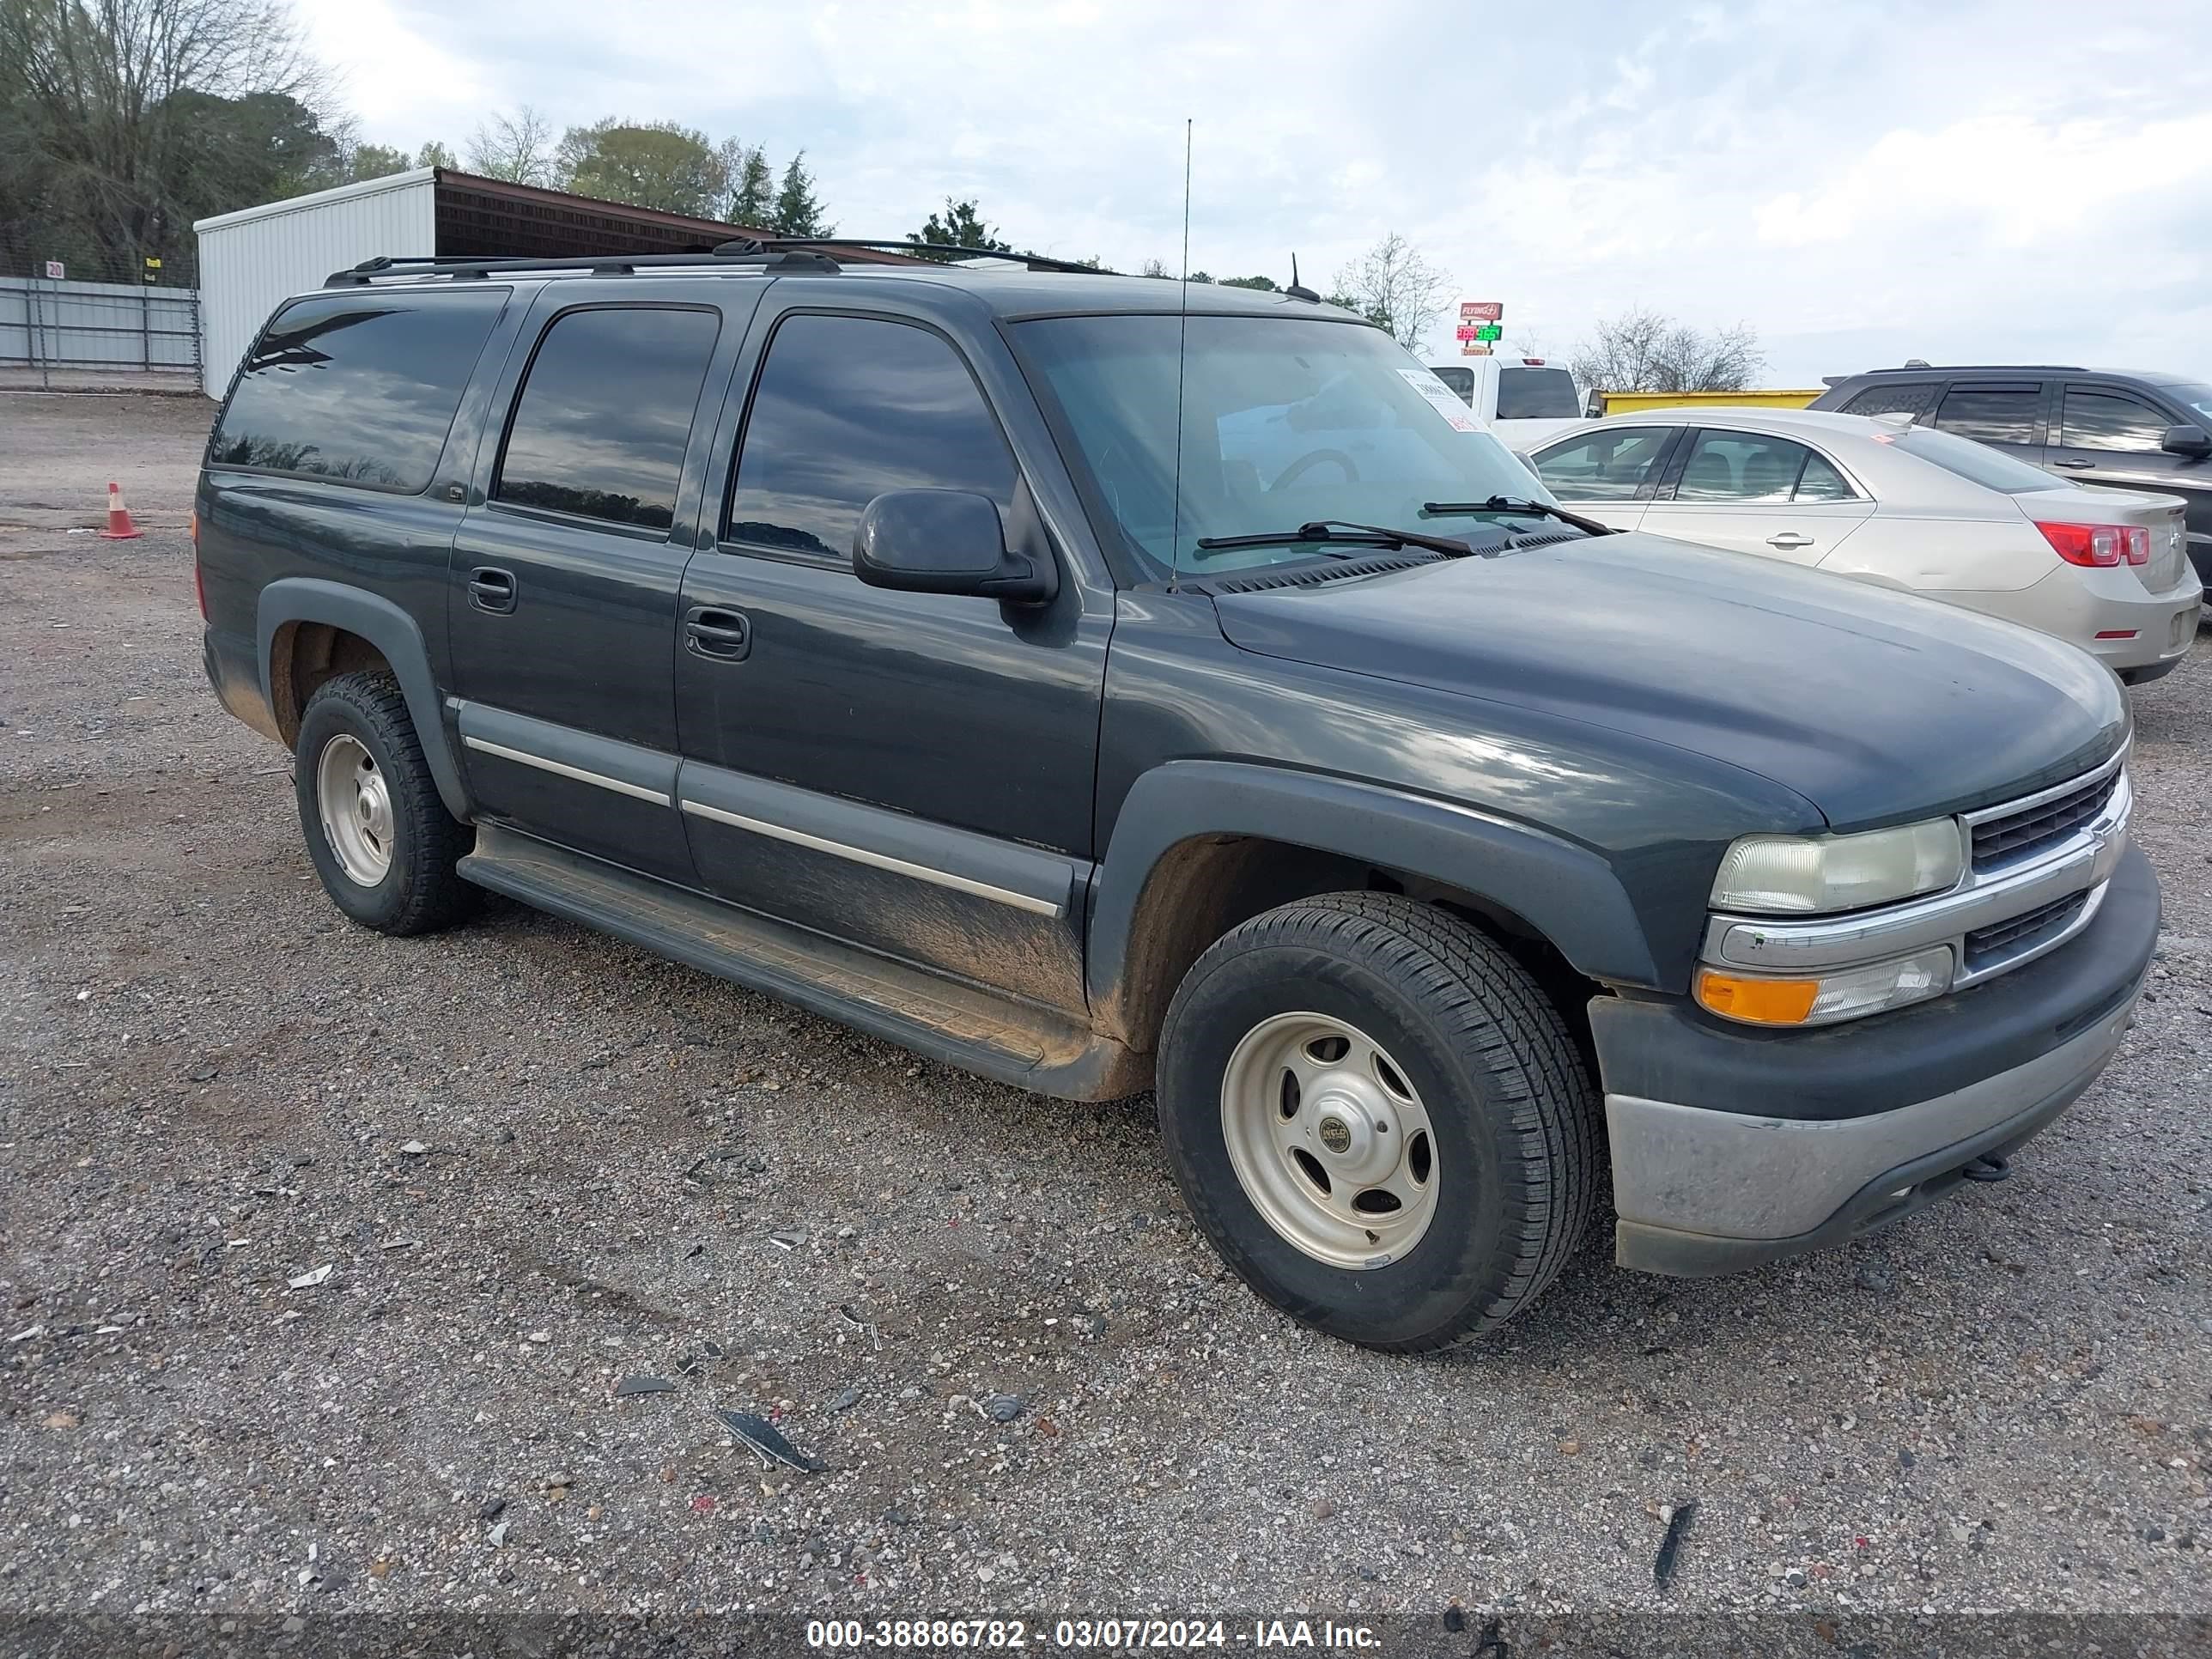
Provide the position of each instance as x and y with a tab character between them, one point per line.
1311	575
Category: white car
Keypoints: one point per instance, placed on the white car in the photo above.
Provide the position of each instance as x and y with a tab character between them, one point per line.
1881	500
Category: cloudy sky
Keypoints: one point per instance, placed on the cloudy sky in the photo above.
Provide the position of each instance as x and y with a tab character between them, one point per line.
1861	180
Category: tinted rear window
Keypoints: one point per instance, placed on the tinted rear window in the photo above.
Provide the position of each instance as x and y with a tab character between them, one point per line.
1461	380
1537	394
1976	463
359	386
605	414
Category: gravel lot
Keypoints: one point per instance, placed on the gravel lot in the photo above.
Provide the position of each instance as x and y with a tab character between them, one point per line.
534	1162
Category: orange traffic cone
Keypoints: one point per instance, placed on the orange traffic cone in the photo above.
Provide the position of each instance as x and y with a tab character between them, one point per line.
120	527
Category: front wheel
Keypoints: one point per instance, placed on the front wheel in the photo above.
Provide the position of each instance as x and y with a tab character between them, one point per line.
1379	1120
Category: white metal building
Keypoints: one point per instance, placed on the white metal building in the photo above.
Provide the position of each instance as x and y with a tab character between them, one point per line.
256	257
251	259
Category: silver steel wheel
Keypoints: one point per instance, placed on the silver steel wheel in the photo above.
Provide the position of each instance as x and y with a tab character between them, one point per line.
355	806
1329	1140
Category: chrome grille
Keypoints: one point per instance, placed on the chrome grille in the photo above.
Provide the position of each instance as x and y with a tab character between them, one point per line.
2022	932
2011	836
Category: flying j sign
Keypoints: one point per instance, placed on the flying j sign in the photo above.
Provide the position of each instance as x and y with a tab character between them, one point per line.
1478	321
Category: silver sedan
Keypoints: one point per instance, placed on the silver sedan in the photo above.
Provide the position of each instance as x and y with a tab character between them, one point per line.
1880	500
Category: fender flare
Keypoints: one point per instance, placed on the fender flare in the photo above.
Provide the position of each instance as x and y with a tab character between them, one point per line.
393	632
1566	892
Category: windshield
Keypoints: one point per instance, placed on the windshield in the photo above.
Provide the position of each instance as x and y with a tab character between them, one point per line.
2197	397
1284	421
1537	394
1976	463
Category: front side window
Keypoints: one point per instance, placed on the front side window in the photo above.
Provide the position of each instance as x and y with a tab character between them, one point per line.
1607	464
1913	398
359	387
846	408
1284	421
1746	466
1994	414
605	413
2105	420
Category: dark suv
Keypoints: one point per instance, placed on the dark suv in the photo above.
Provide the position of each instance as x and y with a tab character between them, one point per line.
2094	426
1105	697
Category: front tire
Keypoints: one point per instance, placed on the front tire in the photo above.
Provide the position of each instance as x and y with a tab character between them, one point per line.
376	830
1379	1120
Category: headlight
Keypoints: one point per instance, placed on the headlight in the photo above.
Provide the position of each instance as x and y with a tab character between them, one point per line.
1841	993
1813	874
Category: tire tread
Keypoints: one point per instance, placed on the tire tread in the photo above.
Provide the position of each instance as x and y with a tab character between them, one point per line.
1490	1008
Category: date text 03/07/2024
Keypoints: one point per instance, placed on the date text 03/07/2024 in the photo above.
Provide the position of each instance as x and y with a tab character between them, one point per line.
1081	1634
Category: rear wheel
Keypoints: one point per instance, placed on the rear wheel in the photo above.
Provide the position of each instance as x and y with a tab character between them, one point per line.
1379	1120
379	835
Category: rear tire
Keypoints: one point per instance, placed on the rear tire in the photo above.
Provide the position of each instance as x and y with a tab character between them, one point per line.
1294	1051
376	830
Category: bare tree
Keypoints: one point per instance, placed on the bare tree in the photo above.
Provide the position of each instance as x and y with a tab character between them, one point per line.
1394	287
1641	350
517	148
120	112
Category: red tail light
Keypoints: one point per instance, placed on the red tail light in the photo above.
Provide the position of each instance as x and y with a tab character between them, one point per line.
2099	544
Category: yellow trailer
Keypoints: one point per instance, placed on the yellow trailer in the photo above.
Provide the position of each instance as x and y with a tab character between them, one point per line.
1626	402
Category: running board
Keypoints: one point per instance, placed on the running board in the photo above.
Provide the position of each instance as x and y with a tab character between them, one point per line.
946	1020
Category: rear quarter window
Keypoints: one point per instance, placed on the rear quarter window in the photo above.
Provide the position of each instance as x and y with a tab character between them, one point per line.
1913	398
359	388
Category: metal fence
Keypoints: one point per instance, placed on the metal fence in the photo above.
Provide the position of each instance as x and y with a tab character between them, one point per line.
67	323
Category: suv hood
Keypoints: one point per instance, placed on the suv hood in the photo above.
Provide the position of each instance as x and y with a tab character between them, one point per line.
1877	706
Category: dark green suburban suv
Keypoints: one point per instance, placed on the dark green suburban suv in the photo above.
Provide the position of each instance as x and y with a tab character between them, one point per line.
1106	697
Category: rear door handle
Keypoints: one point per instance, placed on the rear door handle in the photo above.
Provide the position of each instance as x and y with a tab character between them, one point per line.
2078	466
491	589
711	631
1789	539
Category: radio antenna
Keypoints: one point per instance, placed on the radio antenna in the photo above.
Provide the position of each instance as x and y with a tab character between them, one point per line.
1182	340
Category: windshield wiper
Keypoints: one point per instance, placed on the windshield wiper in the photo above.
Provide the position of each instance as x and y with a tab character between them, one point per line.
1341	531
1509	504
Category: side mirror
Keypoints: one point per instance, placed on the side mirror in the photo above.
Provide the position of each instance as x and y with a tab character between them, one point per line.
2190	439
944	541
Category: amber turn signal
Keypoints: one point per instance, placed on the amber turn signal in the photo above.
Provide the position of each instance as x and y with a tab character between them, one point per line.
1761	1001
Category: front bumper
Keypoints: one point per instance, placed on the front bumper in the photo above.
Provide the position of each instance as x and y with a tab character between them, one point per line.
1735	1146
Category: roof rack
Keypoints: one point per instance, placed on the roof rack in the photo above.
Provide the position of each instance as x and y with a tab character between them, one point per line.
468	268
904	244
785	255
1976	368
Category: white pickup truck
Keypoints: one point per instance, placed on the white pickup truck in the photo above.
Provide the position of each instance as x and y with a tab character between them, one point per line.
1521	400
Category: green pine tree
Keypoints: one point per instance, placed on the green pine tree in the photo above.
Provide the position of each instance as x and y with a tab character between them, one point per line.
798	210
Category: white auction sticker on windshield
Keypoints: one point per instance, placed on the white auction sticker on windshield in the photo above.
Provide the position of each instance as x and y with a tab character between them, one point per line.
1442	398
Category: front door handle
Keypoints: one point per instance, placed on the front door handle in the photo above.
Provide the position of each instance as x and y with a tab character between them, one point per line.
711	631
491	589
2078	466
1789	539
